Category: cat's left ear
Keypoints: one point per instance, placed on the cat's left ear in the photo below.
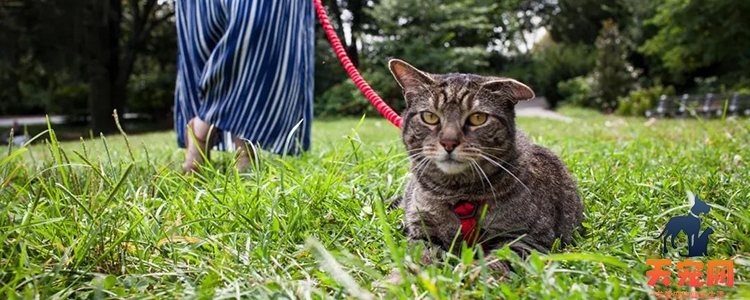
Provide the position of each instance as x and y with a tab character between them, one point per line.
510	89
407	76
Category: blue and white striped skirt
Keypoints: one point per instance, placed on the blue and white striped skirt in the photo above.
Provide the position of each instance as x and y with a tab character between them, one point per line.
246	66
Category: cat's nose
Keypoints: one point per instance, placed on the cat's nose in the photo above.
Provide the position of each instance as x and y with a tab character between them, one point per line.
449	144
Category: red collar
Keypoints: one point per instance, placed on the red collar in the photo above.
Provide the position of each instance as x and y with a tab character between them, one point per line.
466	211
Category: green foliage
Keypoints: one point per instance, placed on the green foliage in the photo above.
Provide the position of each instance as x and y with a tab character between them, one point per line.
70	100
152	93
342	99
580	21
578	91
29	98
613	75
639	101
345	98
53	46
695	35
328	69
517	21
693	45
559	62
742	86
516	67
435	35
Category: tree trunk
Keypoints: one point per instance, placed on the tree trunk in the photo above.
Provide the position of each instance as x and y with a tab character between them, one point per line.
358	15
351	47
106	94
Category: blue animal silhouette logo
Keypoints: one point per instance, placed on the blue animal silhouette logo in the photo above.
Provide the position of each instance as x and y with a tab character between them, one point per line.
691	225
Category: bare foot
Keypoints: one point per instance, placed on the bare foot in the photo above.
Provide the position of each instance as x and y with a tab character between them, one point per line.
196	144
245	153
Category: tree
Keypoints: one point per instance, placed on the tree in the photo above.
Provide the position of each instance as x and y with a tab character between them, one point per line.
113	52
63	48
709	37
37	46
432	34
555	63
613	75
517	21
579	21
358	21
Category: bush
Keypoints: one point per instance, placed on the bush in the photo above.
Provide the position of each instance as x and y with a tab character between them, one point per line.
70	100
32	98
638	102
578	91
345	99
556	63
342	99
151	93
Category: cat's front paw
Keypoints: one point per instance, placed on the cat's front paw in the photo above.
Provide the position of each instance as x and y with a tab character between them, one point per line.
394	278
497	268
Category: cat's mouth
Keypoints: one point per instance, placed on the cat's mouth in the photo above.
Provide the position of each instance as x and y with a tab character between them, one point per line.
450	165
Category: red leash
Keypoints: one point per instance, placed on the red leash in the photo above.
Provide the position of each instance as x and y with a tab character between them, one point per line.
365	88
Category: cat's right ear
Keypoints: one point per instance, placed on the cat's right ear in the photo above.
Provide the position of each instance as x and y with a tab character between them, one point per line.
409	77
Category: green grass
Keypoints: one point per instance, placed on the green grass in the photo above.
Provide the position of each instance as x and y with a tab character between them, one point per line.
113	218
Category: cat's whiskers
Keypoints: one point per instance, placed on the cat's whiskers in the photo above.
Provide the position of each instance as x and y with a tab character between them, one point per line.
499	159
492	217
415	150
473	169
409	158
407	153
492	188
417	162
493	148
506	170
422	166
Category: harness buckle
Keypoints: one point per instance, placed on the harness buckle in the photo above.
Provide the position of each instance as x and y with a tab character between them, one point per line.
475	207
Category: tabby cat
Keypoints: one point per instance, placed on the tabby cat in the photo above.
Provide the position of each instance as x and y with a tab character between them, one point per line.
464	148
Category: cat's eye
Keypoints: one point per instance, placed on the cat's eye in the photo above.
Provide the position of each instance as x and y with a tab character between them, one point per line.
477	119
430	118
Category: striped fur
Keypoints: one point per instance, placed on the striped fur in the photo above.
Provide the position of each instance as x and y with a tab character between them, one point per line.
531	198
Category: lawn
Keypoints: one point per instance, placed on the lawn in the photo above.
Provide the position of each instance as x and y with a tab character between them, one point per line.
113	218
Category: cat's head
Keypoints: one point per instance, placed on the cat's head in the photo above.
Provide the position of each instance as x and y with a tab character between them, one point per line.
458	121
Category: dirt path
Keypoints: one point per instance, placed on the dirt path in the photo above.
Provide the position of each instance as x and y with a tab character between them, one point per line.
538	108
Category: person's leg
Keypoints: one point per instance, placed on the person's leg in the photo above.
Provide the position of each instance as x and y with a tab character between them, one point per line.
198	25
199	139
245	153
258	82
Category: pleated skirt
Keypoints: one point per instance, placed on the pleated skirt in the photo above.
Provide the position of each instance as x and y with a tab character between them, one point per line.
246	66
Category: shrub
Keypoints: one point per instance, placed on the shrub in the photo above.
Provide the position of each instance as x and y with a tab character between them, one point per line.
70	100
556	63
342	99
151	93
345	99
22	98
638	102
578	91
